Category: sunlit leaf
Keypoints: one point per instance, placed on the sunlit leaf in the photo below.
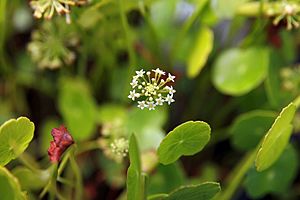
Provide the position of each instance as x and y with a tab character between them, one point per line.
200	52
238	71
135	182
9	186
276	139
249	128
276	179
186	139
15	136
77	107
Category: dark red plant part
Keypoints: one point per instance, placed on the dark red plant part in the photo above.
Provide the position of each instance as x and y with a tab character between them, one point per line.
61	141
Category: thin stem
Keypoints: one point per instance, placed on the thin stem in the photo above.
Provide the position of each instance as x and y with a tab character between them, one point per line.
29	162
237	176
88	146
77	173
129	42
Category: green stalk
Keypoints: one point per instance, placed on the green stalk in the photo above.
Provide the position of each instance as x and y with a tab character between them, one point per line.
237	176
76	170
129	42
3	63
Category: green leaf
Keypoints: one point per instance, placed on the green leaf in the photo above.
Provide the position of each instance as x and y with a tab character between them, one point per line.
249	128
186	139
135	182
276	179
30	180
77	107
15	136
204	191
238	71
200	52
9	186
157	197
276	139
166	178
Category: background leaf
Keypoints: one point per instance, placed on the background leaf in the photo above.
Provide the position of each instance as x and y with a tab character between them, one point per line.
200	52
186	139
77	107
15	136
238	71
276	179
249	128
276	139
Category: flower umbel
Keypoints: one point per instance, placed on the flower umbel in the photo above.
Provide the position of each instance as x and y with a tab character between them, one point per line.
61	141
47	8
151	88
120	147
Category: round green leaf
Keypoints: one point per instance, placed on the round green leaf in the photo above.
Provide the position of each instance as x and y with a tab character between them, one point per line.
276	139
15	136
238	71
248	129
204	191
186	139
276	179
9	186
200	52
77	107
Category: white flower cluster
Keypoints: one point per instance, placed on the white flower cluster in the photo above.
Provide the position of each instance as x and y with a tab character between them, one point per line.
120	147
152	89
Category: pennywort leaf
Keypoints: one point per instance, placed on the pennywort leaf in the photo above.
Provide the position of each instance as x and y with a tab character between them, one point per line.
15	136
238	71
186	139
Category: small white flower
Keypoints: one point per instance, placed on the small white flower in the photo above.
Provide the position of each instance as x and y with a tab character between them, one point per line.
152	87
133	95
159	71
151	105
171	78
159	101
142	105
169	99
140	73
134	83
171	90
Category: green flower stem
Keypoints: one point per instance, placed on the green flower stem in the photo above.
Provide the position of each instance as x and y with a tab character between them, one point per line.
88	146
255	8
237	176
76	170
129	42
3	63
29	162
